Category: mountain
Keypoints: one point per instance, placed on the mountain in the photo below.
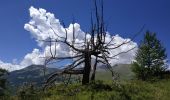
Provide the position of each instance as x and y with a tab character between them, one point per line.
35	74
123	70
31	74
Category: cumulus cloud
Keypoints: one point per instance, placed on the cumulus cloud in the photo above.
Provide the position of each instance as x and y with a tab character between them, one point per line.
35	57
10	66
44	25
40	27
123	58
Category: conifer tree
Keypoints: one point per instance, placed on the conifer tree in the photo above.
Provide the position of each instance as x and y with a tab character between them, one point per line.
150	58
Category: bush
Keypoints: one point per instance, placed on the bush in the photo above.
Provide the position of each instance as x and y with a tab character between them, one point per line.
28	92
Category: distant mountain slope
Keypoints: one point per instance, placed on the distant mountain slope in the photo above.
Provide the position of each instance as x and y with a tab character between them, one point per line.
123	70
33	73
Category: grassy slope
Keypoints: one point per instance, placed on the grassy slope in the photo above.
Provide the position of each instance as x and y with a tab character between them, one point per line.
122	90
123	70
129	90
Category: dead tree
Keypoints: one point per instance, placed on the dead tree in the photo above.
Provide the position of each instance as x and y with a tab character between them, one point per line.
94	47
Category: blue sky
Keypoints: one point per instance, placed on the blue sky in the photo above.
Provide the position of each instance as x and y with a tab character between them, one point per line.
123	17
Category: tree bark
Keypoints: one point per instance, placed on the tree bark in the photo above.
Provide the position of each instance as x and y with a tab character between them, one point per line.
87	69
94	71
93	74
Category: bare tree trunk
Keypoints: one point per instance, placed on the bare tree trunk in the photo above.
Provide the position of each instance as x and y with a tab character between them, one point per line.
93	74
94	71
87	69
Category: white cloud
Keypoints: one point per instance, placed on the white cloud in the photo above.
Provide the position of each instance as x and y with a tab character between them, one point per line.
168	67
40	28
36	57
124	58
10	66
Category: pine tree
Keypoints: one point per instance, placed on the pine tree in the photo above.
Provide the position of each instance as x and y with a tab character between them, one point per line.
150	58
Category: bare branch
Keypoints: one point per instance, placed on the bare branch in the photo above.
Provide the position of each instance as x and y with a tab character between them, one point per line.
121	53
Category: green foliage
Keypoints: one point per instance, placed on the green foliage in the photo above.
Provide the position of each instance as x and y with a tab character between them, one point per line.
101	90
3	82
150	58
28	92
130	90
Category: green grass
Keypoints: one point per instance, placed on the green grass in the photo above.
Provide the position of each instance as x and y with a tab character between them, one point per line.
106	90
123	89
